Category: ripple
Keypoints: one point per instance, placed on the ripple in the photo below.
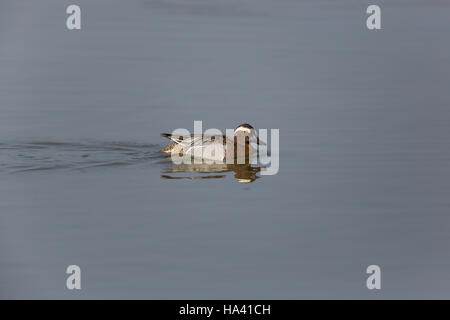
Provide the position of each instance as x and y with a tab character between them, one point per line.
43	155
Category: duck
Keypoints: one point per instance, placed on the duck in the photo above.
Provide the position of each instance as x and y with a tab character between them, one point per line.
244	136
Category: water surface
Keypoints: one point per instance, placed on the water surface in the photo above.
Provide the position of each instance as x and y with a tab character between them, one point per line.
364	174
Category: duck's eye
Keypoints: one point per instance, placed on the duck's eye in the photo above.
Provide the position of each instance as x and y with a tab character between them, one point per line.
180	138
213	138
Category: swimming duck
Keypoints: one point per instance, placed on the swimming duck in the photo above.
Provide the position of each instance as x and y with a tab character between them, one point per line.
244	135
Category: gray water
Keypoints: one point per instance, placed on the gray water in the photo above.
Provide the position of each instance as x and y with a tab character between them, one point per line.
364	119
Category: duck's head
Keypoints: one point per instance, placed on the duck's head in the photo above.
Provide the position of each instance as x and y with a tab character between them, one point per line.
248	133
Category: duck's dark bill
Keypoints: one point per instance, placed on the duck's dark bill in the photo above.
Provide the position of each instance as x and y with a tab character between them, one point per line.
260	142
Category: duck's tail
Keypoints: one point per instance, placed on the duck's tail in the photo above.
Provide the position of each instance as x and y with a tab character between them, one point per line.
166	135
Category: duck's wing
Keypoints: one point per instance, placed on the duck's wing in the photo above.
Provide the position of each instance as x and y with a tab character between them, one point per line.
189	142
191	139
184	140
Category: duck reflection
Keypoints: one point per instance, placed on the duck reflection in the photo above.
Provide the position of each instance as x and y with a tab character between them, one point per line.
244	173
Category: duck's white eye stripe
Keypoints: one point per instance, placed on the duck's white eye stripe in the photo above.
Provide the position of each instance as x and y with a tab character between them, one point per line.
244	129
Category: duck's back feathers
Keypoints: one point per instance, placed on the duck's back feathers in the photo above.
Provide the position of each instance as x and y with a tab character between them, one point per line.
185	144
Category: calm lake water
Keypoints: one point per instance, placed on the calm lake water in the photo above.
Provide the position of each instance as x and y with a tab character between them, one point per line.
364	119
